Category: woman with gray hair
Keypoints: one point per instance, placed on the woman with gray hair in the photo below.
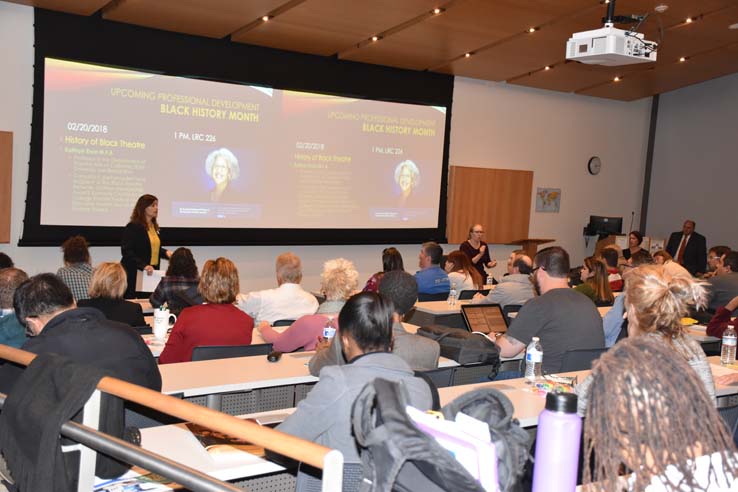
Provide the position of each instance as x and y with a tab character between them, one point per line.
338	281
222	166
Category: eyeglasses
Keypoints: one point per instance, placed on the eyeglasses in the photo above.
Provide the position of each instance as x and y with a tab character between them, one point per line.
478	232
533	272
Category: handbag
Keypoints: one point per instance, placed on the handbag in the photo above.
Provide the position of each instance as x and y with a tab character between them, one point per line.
462	346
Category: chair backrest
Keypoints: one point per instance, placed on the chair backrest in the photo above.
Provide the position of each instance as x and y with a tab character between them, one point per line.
580	359
466	294
441	377
510	308
210	352
283	322
441	296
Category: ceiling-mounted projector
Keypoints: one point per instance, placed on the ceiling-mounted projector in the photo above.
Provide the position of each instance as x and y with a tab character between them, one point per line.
611	47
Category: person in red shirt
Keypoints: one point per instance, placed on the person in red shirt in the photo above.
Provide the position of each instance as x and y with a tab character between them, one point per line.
719	323
219	322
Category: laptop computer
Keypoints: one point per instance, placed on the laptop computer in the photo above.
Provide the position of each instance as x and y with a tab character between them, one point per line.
484	318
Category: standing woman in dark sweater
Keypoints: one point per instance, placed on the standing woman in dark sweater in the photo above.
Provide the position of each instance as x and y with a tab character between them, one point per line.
141	247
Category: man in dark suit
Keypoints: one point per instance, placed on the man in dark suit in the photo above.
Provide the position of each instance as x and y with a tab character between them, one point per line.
688	248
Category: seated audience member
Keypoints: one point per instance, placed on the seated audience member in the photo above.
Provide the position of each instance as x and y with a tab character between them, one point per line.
107	287
77	270
431	278
46	306
461	273
288	301
664	259
365	331
515	288
12	332
714	255
218	322
722	319
561	318
635	239
649	416
401	289
612	322
688	248
511	259
338	282
178	288
610	256
724	285
655	303
595	283
391	261
5	261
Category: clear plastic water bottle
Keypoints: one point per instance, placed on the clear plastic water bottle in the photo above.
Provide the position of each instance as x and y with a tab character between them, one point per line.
533	360
452	295
727	353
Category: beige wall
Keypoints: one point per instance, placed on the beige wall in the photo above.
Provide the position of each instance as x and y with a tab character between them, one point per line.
493	125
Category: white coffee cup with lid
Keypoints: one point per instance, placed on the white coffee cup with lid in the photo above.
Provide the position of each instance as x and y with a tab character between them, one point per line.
162	323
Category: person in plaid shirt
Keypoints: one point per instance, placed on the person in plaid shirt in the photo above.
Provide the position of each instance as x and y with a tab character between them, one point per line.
178	289
77	270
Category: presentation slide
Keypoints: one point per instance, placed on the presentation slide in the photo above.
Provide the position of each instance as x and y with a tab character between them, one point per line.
233	156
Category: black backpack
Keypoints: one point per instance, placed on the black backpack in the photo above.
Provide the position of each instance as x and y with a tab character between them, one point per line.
397	456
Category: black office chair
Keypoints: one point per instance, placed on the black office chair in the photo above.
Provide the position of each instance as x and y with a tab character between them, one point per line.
468	294
442	296
283	322
510	308
210	352
580	359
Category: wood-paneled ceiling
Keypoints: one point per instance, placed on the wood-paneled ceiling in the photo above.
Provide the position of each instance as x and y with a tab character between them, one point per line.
495	33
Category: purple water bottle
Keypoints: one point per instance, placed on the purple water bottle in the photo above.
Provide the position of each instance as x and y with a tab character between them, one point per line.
557	445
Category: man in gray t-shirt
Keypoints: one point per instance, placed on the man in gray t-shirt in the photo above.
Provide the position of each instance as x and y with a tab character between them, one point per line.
562	318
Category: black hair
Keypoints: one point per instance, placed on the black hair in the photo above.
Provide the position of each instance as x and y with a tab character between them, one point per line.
182	264
10	279
638	236
554	260
391	260
367	319
731	260
5	261
523	266
401	288
41	294
434	250
610	256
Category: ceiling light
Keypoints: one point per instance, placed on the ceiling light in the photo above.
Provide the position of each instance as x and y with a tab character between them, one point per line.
733	26
682	59
467	55
265	18
688	20
616	79
437	11
375	38
661	8
532	29
547	67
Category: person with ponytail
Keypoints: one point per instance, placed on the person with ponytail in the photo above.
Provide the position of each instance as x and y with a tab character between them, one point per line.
655	303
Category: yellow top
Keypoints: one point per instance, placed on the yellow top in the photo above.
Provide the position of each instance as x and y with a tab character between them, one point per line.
155	245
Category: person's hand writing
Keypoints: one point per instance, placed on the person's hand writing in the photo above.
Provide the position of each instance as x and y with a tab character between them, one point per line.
148	269
727	379
477	297
323	344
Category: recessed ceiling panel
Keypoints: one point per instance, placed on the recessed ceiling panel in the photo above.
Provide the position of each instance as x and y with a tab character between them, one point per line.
79	7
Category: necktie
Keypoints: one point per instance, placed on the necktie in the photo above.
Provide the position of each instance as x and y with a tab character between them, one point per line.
680	251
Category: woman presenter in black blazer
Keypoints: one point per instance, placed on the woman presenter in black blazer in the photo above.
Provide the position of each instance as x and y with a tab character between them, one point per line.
141	247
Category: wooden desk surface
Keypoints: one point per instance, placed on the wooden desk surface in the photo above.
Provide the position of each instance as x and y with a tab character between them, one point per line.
440	307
